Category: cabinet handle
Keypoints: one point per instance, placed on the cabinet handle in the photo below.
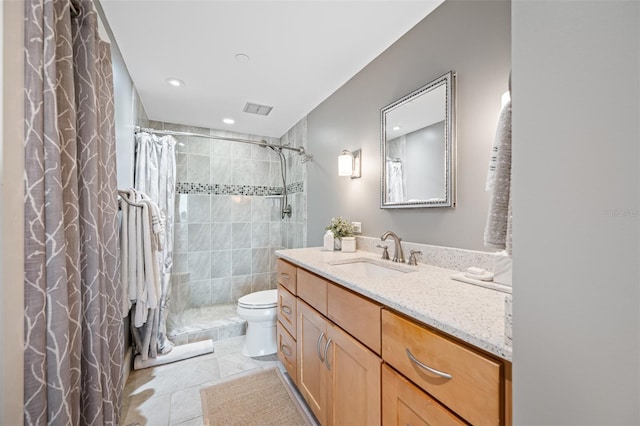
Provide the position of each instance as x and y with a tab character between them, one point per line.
286	309
326	359
426	367
287	352
318	346
284	275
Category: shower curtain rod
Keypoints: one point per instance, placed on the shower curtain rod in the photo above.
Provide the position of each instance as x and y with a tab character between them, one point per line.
262	143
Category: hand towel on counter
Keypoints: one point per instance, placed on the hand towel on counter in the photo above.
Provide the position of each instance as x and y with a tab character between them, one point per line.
478	274
497	232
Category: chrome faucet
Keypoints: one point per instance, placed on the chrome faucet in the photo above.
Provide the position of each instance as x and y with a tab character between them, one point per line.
398	256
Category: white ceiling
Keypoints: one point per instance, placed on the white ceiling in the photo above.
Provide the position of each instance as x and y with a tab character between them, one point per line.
300	53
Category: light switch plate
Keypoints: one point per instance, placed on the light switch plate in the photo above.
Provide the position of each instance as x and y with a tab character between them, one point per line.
357	227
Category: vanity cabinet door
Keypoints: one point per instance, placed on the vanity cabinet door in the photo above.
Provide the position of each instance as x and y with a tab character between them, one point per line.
312	377
354	378
405	404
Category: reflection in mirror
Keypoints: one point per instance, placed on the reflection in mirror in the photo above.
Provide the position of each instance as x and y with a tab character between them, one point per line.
418	147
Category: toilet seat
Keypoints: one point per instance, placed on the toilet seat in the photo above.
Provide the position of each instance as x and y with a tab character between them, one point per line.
259	300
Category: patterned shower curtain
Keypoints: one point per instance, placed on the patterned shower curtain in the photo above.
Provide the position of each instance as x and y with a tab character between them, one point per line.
73	329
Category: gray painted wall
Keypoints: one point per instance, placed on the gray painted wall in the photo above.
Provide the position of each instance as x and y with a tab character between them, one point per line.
425	179
471	38
576	69
11	213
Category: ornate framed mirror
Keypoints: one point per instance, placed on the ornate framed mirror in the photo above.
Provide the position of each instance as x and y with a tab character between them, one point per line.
418	147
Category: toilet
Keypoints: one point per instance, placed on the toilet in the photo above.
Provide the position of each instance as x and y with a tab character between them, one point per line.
259	310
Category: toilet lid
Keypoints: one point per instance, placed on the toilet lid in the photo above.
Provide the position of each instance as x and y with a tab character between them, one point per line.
259	299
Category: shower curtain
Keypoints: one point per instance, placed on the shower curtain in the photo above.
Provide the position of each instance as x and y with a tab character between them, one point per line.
73	330
155	176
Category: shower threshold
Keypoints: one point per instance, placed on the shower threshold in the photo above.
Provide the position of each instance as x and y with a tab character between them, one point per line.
218	322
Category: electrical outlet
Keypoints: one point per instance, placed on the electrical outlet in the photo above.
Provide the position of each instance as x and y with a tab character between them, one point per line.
357	227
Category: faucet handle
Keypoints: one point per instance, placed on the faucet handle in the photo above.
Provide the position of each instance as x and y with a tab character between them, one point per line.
412	257
385	251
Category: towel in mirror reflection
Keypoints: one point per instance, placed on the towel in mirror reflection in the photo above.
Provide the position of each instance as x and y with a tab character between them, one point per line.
395	192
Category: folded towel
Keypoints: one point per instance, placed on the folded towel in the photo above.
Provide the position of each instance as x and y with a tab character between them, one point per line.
486	284
488	276
476	271
497	232
478	274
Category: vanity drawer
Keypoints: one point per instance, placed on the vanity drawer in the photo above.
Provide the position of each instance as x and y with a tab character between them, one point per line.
405	404
287	310
358	316
474	389
313	290
287	351
286	275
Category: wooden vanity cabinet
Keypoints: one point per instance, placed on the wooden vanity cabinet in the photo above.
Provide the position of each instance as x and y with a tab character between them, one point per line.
338	376
287	275
356	362
287	310
466	381
338	337
286	326
287	351
403	403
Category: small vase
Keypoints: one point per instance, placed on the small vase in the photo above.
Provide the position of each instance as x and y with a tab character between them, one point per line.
337	244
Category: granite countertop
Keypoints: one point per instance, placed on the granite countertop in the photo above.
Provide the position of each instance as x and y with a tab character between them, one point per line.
471	313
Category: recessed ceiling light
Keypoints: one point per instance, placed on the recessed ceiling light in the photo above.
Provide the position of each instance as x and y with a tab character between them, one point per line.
396	127
242	58
228	120
175	82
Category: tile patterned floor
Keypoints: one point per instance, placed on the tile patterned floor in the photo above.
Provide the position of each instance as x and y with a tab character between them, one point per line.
170	394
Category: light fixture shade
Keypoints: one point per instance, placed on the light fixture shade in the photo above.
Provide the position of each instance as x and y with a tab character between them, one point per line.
506	97
345	164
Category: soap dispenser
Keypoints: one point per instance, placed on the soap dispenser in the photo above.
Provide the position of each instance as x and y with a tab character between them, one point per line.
328	241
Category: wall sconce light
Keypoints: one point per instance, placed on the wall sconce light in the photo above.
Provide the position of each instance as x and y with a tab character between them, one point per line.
506	97
349	164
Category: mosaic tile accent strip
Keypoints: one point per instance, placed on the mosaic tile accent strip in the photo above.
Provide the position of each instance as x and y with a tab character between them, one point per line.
295	187
216	189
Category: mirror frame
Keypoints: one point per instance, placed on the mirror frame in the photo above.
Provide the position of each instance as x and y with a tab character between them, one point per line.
449	199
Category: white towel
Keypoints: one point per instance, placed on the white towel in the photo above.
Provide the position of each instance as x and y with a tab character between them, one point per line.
395	193
132	236
157	222
497	233
124	257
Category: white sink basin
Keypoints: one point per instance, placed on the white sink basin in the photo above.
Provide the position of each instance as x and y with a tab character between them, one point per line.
368	268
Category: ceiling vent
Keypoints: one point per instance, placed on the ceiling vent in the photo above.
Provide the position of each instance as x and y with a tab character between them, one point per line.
257	109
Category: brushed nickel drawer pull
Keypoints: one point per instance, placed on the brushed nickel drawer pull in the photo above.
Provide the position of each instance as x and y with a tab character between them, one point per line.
326	359
318	346
282	349
284	275
286	310
426	367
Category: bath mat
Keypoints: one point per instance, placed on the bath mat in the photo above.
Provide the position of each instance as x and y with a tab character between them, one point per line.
261	398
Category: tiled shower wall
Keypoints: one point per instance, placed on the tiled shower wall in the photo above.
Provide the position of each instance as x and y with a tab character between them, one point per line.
228	222
294	229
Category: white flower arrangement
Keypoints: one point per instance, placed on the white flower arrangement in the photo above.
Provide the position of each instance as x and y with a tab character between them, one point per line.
340	227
